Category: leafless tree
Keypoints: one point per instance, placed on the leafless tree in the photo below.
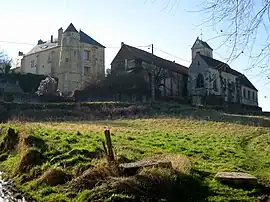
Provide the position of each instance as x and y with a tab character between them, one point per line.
243	26
5	63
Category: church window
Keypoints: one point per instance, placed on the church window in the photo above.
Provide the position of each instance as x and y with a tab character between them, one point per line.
215	85
200	81
244	93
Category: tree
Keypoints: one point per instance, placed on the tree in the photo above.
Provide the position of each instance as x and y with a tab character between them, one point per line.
48	86
5	63
238	23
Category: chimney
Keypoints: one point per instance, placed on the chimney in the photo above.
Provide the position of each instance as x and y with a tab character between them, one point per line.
122	43
60	32
51	38
40	42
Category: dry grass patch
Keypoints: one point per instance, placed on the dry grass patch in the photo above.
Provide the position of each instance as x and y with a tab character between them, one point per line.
54	176
179	162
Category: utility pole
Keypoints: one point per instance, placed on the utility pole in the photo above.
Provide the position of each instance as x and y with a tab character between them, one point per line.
153	88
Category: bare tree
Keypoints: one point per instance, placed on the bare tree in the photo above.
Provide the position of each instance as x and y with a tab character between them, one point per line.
5	63
243	26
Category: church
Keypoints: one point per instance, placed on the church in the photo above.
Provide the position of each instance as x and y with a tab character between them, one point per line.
213	82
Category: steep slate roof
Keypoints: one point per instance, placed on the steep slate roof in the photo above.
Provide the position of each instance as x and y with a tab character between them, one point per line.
216	64
71	28
129	52
84	38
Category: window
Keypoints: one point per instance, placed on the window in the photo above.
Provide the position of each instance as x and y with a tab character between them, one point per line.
66	59
32	63
253	95
75	53
86	55
87	70
66	77
244	93
200	81
215	85
50	57
249	94
198	63
198	52
42	66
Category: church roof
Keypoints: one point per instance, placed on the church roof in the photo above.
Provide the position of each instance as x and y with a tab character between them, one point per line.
71	28
84	38
129	52
216	64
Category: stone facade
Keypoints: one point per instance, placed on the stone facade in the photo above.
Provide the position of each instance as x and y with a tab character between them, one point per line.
73	57
214	81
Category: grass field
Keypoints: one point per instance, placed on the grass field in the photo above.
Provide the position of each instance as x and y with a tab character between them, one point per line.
199	147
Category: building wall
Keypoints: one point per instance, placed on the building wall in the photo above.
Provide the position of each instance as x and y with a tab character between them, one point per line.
198	66
198	47
229	87
70	69
93	65
39	63
247	96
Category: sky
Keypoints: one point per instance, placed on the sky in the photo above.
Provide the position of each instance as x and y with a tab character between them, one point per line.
167	24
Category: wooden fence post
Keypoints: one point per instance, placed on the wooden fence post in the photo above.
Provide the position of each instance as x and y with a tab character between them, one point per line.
109	151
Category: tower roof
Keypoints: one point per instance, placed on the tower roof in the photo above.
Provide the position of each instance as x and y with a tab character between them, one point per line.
205	44
71	28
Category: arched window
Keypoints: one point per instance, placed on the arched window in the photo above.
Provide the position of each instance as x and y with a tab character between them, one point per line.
215	85
200	81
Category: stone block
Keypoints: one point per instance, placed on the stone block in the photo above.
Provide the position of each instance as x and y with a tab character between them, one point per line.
236	178
133	167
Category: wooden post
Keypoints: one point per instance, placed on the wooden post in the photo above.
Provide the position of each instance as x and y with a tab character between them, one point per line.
109	149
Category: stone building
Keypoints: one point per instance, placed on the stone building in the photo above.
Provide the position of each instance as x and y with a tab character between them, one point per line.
73	57
168	77
211	81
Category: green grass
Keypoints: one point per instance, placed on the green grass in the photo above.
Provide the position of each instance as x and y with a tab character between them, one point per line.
210	147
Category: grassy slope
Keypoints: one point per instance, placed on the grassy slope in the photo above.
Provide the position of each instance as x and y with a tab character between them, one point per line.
211	147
